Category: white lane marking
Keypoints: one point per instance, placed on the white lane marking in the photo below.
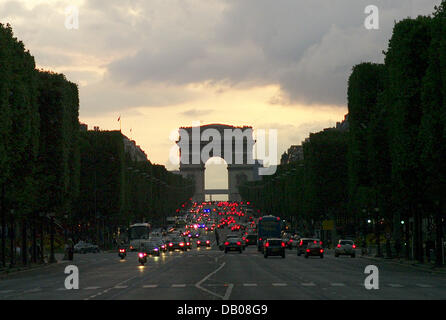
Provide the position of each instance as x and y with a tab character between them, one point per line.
279	284
337	284
421	285
198	284
91	288
395	285
33	290
228	291
6	291
120	287
179	285
250	284
150	286
308	284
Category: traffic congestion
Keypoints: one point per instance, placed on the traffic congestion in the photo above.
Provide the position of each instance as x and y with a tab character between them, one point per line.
231	227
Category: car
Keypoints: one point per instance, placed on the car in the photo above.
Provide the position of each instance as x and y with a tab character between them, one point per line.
345	247
294	241
151	247
177	243
85	247
204	241
286	239
251	239
233	244
163	245
303	243
314	249
238	236
188	244
274	247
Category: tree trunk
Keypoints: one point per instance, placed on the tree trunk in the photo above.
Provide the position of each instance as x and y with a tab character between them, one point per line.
12	236
34	240
24	251
3	216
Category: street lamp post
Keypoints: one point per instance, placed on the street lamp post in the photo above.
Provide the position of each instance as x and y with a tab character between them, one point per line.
377	233
52	259
11	237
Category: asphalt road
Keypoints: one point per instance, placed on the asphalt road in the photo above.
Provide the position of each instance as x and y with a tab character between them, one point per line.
210	274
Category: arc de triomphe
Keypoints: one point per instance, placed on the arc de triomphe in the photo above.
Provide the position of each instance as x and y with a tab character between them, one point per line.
233	144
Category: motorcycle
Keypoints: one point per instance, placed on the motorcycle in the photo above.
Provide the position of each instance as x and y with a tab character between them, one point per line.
122	253
142	258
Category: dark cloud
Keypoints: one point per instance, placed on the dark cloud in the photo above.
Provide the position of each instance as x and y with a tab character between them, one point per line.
306	47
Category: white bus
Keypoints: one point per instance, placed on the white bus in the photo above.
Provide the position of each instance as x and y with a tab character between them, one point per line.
138	232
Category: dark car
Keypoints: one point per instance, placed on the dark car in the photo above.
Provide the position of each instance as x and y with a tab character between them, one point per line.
303	243
251	239
176	243
204	241
151	247
314	249
286	239
274	247
345	247
233	244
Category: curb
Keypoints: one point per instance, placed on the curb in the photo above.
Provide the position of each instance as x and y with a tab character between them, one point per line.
6	273
410	265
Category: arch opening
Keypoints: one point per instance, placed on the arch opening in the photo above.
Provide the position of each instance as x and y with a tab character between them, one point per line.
216	179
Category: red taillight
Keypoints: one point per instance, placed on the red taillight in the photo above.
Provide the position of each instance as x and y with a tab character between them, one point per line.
187	243
267	244
260	239
301	242
283	244
207	241
121	250
238	243
308	250
322	250
354	246
339	245
291	240
170	244
247	240
142	255
226	243
198	242
315	241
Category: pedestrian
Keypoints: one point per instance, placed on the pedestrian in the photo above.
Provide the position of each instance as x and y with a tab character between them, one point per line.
217	237
398	247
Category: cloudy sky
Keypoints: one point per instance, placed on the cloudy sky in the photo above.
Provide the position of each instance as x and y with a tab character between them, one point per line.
162	64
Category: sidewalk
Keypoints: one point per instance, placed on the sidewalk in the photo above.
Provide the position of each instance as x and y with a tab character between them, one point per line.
4	272
428	266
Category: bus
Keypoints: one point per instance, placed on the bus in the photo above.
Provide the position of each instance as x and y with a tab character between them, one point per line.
268	227
138	232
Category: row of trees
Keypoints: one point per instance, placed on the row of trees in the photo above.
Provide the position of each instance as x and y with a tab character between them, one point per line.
117	190
310	190
388	171
55	179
